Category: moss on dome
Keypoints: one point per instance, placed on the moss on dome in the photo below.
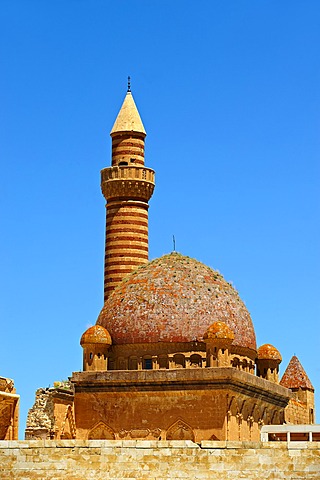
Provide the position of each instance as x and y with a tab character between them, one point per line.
219	330
268	352
96	335
174	299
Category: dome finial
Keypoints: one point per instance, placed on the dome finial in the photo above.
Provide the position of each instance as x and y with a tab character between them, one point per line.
129	84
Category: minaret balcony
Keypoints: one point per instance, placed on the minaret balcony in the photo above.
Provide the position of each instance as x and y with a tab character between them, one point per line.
127	181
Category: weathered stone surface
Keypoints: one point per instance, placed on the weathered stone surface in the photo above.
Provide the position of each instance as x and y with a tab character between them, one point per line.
156	460
52	413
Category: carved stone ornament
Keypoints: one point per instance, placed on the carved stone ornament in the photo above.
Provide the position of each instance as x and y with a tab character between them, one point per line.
101	431
180	431
68	428
140	433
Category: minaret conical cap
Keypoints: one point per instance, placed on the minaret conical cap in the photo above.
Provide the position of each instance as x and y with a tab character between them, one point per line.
128	119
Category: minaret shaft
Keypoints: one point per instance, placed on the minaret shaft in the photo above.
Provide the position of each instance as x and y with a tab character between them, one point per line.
127	187
128	150
126	240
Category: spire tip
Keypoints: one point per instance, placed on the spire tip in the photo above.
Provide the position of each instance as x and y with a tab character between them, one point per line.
129	84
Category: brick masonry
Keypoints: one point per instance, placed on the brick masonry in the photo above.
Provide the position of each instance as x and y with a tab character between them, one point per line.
153	460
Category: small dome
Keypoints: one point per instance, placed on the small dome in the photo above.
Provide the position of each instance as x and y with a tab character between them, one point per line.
219	330
268	352
96	334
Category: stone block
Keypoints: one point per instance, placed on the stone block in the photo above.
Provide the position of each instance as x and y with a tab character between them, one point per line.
213	444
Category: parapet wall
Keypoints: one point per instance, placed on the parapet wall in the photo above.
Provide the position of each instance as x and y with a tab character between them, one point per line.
158	460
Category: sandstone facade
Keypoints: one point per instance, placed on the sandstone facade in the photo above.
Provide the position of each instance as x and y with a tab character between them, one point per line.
186	404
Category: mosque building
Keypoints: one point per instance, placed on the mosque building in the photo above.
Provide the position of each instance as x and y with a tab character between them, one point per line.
173	353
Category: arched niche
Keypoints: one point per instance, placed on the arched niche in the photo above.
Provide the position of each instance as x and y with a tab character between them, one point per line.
68	428
195	360
179	360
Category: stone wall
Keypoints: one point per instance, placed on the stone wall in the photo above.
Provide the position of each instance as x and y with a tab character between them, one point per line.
300	409
158	460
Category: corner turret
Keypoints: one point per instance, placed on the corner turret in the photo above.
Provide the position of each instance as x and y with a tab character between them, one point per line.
218	339
268	362
301	407
95	342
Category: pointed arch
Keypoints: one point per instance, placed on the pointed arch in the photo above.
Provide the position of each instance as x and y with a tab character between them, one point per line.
195	360
101	431
256	413
274	417
266	416
233	406
246	409
180	430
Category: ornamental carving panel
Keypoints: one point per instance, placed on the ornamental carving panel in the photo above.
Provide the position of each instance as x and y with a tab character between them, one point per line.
180	431
140	433
101	431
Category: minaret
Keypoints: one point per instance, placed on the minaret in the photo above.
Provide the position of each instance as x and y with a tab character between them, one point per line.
127	187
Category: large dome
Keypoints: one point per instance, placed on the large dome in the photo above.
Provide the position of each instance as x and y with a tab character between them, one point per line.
174	299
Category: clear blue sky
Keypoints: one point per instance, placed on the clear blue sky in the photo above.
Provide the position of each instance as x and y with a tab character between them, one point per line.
229	94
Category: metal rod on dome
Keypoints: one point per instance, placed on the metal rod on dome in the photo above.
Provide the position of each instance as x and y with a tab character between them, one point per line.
129	84
174	243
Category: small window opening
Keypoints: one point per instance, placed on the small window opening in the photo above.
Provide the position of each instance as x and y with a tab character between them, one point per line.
311	415
148	364
132	160
121	164
91	355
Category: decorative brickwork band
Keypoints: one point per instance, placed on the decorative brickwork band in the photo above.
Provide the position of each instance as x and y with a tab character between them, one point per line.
128	150
127	183
126	243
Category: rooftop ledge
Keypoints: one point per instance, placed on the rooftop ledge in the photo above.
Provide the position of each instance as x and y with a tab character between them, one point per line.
185	379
